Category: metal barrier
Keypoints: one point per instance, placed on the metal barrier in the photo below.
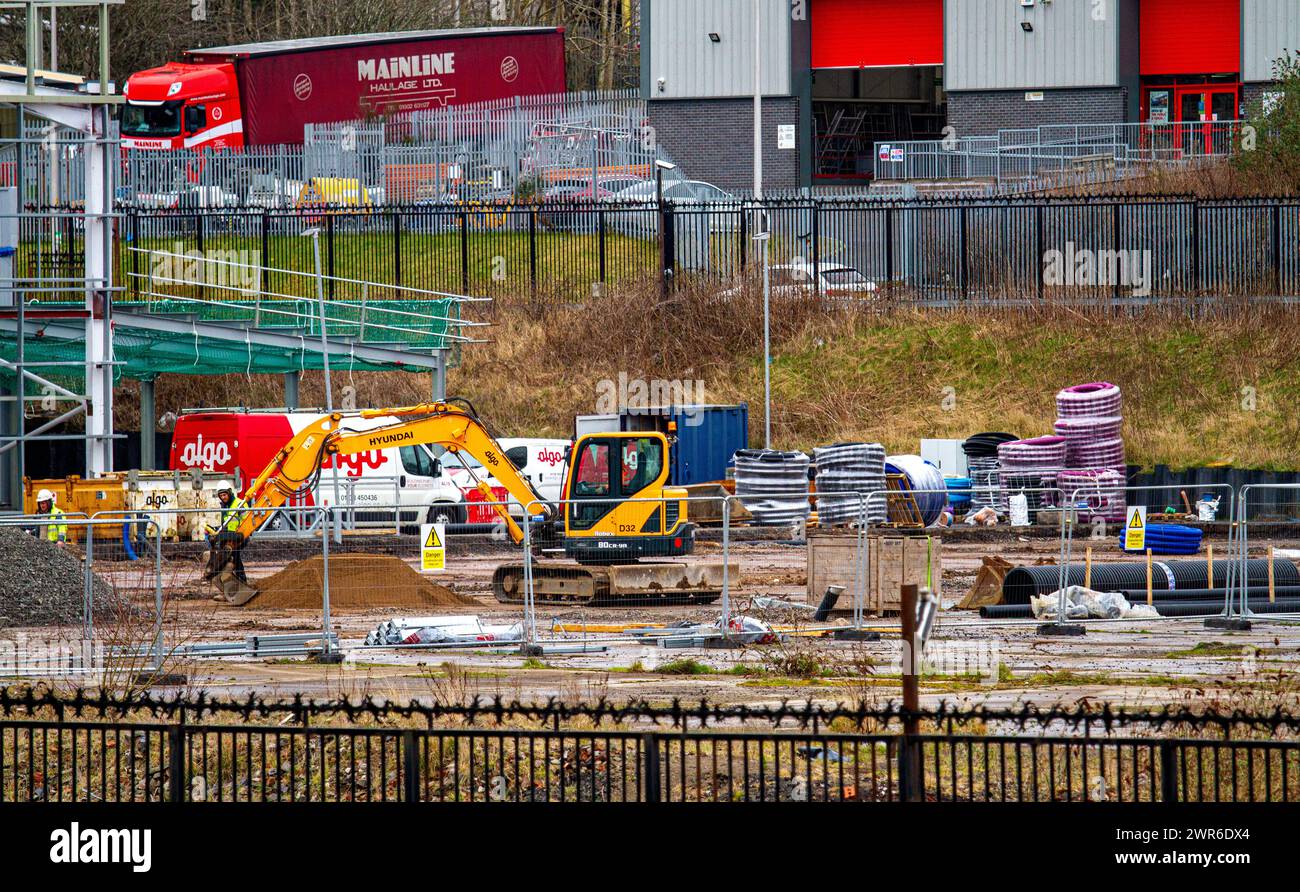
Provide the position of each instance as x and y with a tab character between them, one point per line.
934	251
54	759
1275	507
89	607
1055	155
1078	503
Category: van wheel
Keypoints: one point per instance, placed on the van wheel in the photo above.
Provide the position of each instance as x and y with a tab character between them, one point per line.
445	512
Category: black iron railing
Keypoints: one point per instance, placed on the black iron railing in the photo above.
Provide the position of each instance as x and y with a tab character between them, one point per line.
54	747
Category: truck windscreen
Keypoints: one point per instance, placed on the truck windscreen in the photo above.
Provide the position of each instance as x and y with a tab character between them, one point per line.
152	120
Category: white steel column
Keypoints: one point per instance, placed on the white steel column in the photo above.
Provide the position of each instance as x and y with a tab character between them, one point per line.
99	344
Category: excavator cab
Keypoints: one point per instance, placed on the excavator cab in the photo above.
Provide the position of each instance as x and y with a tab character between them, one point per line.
618	508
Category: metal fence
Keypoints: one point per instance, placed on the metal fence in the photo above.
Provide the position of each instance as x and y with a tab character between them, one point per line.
1106	250
55	759
1058	155
124	596
494	151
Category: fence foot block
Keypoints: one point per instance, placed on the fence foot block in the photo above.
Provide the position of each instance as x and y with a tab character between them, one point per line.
723	643
1062	630
855	635
1228	623
332	658
530	650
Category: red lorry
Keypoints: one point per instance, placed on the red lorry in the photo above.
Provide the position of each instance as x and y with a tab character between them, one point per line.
264	93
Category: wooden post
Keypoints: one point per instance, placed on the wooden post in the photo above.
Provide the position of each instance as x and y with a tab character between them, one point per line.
1150	597
911	662
1272	593
1209	565
1087	567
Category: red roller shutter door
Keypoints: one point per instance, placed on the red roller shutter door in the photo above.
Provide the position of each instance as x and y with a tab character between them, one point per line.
876	33
1191	36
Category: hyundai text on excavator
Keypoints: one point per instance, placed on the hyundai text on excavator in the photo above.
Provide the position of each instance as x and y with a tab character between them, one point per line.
616	509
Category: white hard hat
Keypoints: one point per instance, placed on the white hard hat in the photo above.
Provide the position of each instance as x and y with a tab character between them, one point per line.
45	496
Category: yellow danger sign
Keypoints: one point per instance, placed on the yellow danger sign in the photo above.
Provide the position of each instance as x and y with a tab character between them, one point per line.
433	547
1135	531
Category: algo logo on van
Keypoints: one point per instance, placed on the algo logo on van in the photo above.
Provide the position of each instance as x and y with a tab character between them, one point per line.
550	456
209	456
356	463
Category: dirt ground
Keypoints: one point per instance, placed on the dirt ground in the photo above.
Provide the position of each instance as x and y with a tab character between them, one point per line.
972	660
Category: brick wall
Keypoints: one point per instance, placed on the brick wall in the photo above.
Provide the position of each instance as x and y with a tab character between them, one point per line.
984	113
713	140
1252	95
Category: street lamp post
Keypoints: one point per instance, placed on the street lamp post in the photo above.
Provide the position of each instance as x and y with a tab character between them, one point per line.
314	234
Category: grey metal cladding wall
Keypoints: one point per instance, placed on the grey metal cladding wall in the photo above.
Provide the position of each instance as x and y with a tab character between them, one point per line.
985	47
694	67
1268	28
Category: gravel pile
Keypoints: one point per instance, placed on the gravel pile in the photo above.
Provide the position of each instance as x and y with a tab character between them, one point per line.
43	585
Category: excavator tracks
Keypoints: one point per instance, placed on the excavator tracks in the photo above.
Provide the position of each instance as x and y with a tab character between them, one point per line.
646	583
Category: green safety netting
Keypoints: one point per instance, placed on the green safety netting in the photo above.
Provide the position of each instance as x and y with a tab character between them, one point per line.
141	353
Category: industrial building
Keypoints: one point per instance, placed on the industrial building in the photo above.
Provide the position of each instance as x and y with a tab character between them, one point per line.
842	77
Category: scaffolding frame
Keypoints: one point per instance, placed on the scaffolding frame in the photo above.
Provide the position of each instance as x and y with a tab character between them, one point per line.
84	113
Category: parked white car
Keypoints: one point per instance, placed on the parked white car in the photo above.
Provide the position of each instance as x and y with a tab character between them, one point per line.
829	279
699	207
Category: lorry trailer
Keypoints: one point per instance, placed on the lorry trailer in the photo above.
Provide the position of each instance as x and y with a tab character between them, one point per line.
266	93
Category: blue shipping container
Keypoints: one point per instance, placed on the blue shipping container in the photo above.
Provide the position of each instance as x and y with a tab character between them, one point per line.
708	437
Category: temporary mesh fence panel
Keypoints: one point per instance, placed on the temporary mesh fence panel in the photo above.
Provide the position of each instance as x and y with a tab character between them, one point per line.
982	463
857	468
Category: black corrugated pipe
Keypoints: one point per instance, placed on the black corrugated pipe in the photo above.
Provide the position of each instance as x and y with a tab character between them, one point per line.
1164	608
1022	583
1209	608
1208	594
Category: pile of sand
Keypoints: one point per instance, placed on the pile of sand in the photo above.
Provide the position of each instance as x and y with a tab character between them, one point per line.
356	580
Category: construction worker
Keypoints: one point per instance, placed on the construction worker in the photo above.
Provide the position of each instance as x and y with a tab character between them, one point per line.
56	529
226	533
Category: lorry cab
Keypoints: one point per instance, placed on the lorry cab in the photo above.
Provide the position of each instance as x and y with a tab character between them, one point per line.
407	484
182	106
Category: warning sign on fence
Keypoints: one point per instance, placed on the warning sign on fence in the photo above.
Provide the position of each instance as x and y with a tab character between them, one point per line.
433	547
1135	531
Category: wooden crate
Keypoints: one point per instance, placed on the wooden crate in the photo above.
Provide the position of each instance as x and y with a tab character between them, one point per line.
892	561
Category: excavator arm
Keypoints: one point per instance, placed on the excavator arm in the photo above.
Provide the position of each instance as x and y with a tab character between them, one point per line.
297	466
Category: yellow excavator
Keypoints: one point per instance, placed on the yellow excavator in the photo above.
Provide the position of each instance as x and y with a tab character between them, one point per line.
616	509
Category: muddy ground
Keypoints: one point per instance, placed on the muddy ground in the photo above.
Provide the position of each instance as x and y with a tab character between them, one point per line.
975	661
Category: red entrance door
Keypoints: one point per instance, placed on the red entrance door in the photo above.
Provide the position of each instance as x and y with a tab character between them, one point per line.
1197	116
1213	107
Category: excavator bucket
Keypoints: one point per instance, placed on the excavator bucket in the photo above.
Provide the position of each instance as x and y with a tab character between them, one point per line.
235	590
223	567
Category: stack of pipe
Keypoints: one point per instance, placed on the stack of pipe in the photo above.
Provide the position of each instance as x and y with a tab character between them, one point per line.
1089	418
856	469
1100	494
982	466
926	481
1030	466
772	485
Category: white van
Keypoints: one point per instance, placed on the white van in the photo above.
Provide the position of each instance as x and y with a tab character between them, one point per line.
370	485
541	461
